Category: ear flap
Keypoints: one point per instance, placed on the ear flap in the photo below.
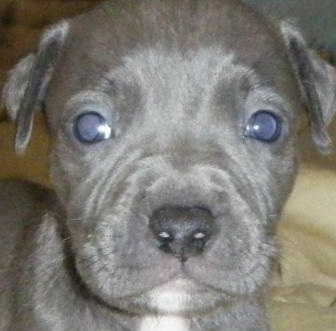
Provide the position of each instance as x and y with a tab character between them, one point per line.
317	81
27	83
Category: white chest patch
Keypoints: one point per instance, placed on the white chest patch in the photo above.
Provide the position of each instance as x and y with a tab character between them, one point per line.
164	323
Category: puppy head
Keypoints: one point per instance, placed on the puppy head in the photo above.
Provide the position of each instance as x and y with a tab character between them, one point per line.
173	130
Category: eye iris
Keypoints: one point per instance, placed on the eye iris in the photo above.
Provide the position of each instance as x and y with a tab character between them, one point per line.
264	126
91	127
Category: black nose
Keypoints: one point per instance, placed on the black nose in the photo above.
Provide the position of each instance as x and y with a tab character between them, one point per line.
182	231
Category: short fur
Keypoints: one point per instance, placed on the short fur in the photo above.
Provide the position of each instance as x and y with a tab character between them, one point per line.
177	80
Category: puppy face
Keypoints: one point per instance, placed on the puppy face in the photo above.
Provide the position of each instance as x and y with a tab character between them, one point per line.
173	148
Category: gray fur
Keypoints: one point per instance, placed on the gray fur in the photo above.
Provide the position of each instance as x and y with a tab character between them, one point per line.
178	81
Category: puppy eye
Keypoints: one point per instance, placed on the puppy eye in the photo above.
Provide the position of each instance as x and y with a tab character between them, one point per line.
264	126
91	127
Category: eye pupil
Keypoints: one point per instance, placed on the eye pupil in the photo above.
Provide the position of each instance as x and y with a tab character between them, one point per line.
91	127
264	126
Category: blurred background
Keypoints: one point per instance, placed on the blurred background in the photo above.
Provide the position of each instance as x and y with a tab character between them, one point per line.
316	19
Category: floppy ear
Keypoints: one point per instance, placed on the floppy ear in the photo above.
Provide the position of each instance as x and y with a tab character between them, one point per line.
317	81
25	89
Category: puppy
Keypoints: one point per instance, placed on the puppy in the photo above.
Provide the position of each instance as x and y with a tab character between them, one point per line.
173	131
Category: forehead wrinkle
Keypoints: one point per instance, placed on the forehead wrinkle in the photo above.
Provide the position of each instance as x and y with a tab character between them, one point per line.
178	87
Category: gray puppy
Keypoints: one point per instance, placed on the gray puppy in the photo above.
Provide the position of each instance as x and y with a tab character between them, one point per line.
174	127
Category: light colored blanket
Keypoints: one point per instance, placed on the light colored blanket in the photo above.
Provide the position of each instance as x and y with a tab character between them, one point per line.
304	289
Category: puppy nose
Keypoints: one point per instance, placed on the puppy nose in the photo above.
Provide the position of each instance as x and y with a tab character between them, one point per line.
182	231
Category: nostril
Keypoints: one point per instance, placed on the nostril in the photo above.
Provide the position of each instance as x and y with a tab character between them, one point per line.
164	239
182	231
164	235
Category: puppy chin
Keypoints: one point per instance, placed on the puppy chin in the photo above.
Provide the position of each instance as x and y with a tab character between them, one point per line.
173	298
170	301
179	297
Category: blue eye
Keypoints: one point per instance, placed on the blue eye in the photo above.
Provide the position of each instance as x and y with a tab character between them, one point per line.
91	127
264	126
